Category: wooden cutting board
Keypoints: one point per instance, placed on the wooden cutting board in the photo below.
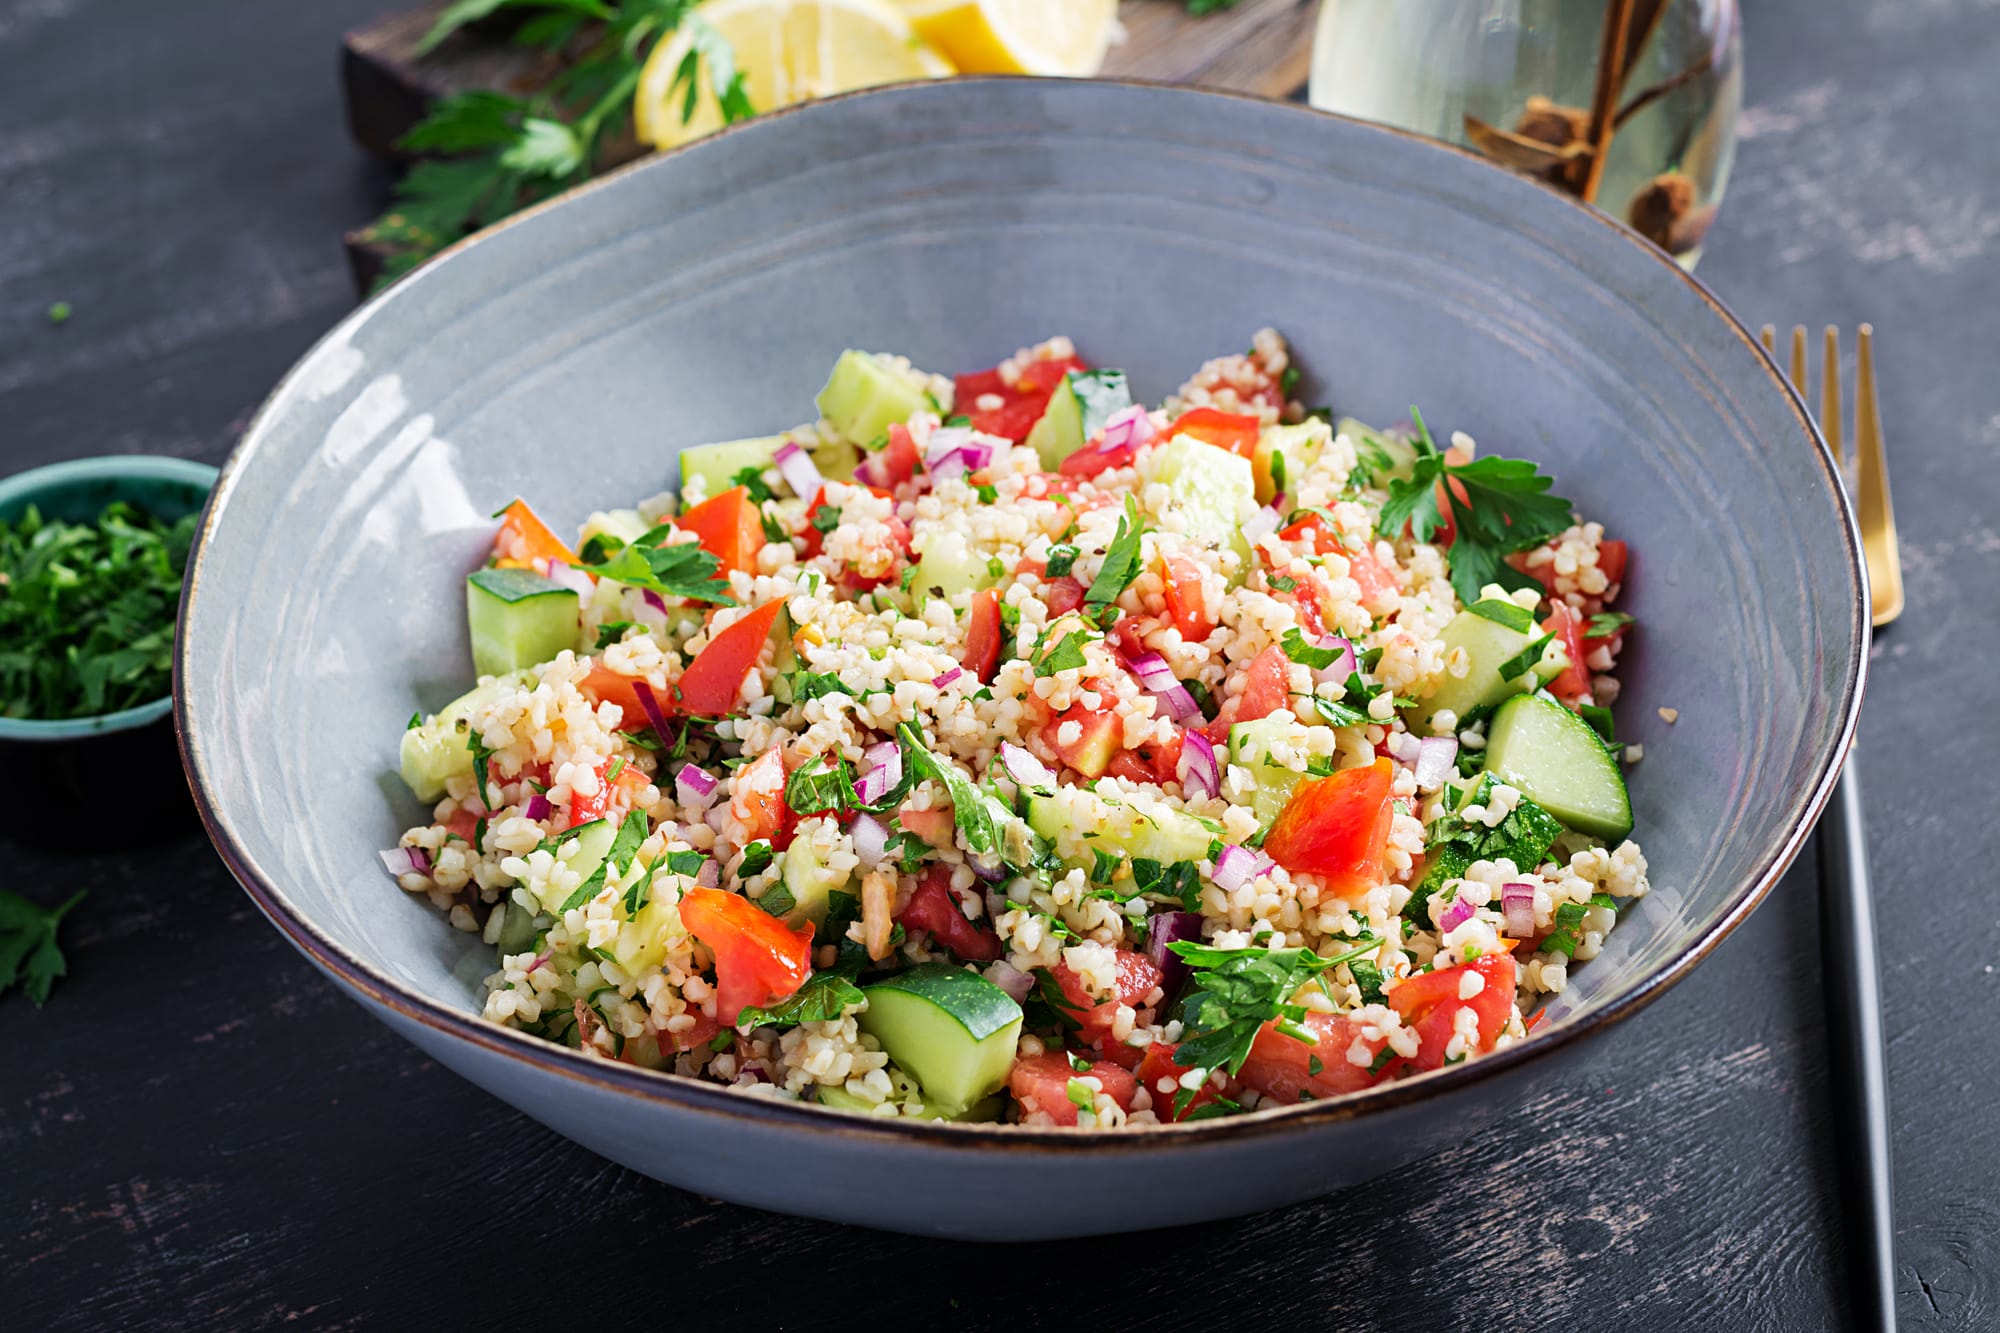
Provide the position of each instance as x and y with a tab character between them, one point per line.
1258	46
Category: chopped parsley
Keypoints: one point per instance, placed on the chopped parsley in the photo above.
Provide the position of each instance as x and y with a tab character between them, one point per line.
1569	920
1180	881
416	720
1121	561
1606	623
776	900
1368	980
1062	558
1524	661
1511	614
824	998
1067	655
756	859
624	847
1236	991
1505	508
752	480
685	571
826	518
611	633
820	785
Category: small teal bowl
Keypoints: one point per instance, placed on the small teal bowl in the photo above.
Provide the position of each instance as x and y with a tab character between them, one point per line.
53	770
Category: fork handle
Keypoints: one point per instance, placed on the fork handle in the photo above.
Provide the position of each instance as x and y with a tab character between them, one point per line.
1852	982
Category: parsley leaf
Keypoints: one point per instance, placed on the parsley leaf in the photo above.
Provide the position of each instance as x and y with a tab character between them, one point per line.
756	859
624	847
752	480
1180	881
1067	655
1505	508
823	998
1563	939
821	785
1121	561
28	951
1062	558
1606	623
684	571
1237	991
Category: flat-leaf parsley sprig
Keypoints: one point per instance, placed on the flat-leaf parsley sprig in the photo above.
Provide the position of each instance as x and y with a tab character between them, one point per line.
29	954
1498	506
499	153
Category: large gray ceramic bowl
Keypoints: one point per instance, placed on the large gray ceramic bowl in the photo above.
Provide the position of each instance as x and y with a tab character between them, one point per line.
569	354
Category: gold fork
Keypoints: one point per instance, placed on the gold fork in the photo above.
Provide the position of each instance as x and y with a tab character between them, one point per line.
1851	977
1870	473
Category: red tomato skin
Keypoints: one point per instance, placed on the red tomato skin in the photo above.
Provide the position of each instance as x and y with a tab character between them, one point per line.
1138	977
758	959
1225	430
583	809
521	529
1063	595
933	826
1375	580
1022	402
1337	827
713	680
759	801
900	456
1159	1063
983	634
607	686
464	823
1186	604
1430	1003
1089	462
1266	688
1041	1083
934	908
729	528
1573	685
1281	1067
1612	558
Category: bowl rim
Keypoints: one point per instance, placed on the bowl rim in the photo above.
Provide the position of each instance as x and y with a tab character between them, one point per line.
102	467
690	1095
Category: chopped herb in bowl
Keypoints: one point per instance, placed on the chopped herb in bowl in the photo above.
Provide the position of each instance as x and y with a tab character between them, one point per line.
87	610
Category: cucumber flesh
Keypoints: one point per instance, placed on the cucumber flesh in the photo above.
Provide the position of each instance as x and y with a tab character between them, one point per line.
810	883
593	843
1213	489
517	619
1168	836
1555	759
1488	645
1299	445
1387	457
950	566
842	1100
1077	411
1249	746
436	752
951	1030
865	395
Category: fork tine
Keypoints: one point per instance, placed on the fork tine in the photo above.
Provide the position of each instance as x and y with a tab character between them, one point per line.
1878	518
1829	396
1799	358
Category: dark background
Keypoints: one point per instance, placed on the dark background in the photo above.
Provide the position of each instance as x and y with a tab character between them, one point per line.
200	1132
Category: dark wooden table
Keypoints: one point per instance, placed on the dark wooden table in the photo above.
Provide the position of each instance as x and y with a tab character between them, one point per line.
198	1132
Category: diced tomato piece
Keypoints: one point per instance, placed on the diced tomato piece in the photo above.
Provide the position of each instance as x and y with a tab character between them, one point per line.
899	457
759	801
968	389
1041	1083
1159	1066
758	959
1157	764
1063	596
983	634
1266	688
1089	461
1283	1067
583	809
607	686
523	539
1040	378
1574	682
1447	529
1612	557
1099	732
729	528
1312	528
1337	827
1376	581
712	681
692	1038
935	826
1185	602
1225	430
1138	977
934	908
1430	1003
1022	402
464	823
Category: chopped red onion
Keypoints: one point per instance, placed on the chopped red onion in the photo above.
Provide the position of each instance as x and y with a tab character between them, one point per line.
1012	980
1026	770
796	467
657	602
946	441
884	770
655	718
1261	525
1455	915
873	470
871	839
1342	666
1127	426
1517	902
1237	866
939	682
710	874
1158	678
717	816
1163	929
1404	748
695	788
1198	770
403	861
1277	505
957	462
1434	764
565	575
537	808
541	961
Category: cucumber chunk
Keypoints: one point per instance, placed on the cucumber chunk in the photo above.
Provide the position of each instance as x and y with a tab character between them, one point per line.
1385	458
842	1100
951	1030
1250	747
1214	490
1077	410
1488	646
1552	757
1297	445
866	394
1167	836
810	883
517	619
949	566
593	843
436	752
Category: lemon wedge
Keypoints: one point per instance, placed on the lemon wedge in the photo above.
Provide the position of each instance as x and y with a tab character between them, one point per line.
788	51
1061	37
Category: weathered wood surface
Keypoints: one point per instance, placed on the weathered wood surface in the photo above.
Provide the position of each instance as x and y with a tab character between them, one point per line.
199	1133
1259	46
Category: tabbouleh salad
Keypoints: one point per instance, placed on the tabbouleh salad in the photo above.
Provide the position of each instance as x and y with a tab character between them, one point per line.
995	748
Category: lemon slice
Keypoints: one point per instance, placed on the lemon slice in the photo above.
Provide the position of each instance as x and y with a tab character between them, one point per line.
1063	37
788	51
